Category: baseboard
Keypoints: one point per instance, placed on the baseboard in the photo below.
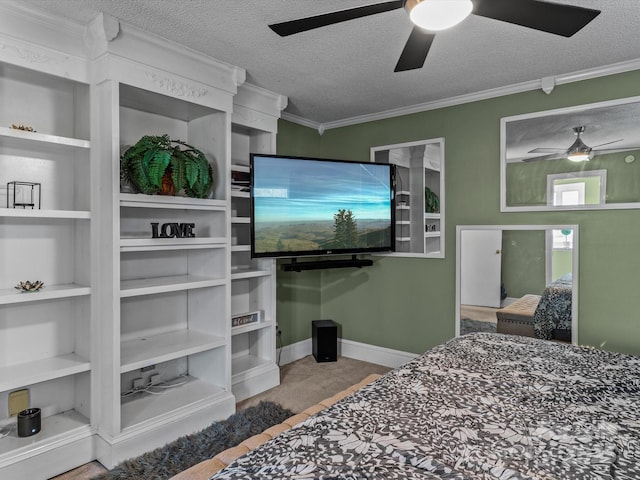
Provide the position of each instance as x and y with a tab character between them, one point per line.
293	352
255	381
50	462
136	440
373	353
350	349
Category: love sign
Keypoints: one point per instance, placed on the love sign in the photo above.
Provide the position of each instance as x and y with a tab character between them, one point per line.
172	230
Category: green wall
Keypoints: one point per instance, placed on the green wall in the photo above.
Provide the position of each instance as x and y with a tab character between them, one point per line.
409	304
523	262
529	180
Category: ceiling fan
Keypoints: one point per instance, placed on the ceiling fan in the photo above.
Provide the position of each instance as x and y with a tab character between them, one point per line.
577	152
430	16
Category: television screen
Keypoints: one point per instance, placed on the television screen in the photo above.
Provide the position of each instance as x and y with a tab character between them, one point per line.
308	206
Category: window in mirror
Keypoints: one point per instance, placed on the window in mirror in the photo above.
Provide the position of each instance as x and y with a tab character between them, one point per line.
577	188
562	239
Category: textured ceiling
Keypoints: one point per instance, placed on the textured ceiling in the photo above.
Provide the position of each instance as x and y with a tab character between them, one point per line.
613	127
346	70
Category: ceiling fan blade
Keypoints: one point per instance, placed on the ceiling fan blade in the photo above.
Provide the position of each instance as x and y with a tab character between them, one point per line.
619	149
608	143
548	150
415	50
549	17
553	156
303	24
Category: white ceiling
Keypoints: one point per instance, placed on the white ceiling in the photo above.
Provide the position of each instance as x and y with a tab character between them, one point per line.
343	71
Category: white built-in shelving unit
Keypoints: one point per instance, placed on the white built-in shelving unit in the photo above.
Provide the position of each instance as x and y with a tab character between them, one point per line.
167	324
46	337
253	283
419	165
120	308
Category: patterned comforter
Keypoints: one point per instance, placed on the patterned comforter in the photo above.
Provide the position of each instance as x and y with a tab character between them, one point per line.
552	318
481	406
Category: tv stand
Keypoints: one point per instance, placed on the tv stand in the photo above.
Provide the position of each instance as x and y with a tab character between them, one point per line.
354	261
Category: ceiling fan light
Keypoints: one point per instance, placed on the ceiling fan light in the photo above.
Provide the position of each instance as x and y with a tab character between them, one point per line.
436	15
579	156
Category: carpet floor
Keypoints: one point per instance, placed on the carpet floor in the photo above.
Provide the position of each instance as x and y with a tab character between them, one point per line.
303	383
306	382
174	457
468	325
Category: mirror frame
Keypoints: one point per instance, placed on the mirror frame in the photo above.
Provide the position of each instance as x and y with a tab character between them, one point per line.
574	261
586	111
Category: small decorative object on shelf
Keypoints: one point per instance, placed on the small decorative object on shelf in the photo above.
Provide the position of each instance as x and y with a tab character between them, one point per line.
240	181
29	422
245	319
431	201
160	165
173	230
24	128
24	195
30	286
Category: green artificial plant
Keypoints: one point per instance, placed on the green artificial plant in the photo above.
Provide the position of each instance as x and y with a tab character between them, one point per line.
160	165
431	201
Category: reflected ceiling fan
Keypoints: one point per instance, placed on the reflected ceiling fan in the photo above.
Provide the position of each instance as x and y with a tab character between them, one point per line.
577	152
430	16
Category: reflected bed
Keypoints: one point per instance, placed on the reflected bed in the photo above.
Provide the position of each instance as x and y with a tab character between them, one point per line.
552	319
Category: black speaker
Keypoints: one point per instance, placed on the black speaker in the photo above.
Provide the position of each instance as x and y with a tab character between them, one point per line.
28	422
324	336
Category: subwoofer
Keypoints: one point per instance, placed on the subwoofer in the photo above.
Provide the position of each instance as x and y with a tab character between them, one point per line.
324	336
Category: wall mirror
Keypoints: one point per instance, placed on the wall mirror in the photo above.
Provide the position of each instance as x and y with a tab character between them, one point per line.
518	279
420	198
584	157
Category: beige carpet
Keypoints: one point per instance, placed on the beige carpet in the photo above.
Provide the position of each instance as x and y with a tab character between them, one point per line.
305	382
302	384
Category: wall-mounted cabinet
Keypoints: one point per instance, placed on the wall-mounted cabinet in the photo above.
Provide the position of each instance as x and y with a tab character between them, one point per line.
419	194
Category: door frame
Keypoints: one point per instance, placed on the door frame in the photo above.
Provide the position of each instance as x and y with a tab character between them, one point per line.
546	227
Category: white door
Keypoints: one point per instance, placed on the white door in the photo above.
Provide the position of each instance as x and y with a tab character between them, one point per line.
480	267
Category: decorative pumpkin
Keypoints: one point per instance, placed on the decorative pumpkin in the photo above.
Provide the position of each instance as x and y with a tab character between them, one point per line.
160	165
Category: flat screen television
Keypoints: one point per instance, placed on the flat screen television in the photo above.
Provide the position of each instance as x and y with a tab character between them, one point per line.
310	206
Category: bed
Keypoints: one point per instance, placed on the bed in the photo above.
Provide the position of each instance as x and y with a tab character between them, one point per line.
481	406
546	316
552	318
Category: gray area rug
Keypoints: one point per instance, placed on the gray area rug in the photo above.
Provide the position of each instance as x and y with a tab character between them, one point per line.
167	461
468	325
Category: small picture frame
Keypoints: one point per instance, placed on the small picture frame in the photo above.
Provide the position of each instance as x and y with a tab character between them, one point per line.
245	319
25	195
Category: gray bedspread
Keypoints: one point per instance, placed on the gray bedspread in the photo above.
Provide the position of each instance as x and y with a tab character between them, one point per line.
481	406
552	318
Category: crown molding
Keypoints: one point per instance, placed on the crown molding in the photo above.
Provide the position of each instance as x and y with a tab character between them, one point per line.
305	122
603	71
49	20
281	101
